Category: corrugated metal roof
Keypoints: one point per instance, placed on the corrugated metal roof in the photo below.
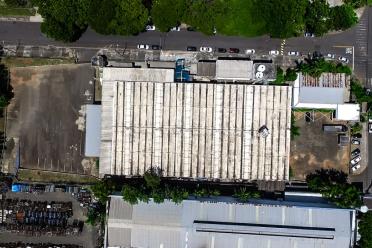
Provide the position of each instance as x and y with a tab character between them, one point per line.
229	224
321	95
196	130
93	130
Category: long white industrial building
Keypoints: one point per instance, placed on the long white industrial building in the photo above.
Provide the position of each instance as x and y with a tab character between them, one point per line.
193	130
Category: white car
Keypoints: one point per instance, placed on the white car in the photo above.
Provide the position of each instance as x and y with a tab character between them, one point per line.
150	27
330	56
355	160
274	52
250	51
370	126
293	53
343	59
175	29
355	167
206	49
143	46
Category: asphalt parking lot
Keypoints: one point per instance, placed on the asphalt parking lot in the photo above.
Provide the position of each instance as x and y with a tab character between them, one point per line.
44	115
314	149
86	239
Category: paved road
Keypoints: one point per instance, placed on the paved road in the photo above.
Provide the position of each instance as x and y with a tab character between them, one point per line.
23	33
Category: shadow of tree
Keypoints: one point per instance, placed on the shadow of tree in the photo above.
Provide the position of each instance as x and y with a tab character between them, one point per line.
6	90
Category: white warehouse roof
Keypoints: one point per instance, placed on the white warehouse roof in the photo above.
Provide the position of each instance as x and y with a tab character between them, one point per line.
221	224
239	70
348	112
195	130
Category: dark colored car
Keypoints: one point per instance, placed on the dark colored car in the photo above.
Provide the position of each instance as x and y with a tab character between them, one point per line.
191	29
233	50
357	136
356	152
155	47
221	50
192	48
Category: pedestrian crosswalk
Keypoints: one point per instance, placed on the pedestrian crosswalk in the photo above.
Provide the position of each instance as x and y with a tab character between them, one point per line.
282	47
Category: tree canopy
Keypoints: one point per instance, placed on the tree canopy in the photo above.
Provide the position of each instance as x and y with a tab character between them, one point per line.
174	13
283	18
333	185
6	90
365	230
66	20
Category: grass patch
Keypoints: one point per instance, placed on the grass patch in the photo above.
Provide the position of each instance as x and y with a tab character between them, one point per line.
53	177
241	18
24	62
315	110
7	11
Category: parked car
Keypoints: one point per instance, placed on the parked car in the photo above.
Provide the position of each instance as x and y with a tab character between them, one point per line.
307	34
143	46
330	56
343	59
221	50
191	29
355	141
150	28
250	51
355	160
357	136
192	49
274	52
293	53
355	167
175	29
155	47
356	152
234	50
206	49
370	127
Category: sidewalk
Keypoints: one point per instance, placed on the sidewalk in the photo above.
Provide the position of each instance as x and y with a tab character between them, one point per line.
35	18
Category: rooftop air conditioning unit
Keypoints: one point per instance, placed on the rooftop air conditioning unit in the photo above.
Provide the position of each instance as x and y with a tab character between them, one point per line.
259	74
261	68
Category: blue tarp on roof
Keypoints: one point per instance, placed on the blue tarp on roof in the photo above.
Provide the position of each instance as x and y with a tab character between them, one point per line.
16	188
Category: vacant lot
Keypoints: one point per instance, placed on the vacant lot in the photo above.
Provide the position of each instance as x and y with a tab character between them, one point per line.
44	112
11	62
314	149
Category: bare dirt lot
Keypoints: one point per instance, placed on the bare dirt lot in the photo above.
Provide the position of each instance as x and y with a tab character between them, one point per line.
43	114
314	149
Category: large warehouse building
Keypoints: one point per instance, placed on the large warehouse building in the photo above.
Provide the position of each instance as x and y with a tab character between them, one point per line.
193	130
259	224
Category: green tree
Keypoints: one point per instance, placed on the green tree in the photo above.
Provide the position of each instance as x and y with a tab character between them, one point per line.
290	75
130	194
243	194
317	15
96	214
365	230
103	189
333	185
63	19
152	178
16	3
356	3
342	17
120	17
167	13
177	195
6	90
202	14
295	130
284	18
158	195
279	76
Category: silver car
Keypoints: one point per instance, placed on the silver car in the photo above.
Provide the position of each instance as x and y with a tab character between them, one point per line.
206	49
